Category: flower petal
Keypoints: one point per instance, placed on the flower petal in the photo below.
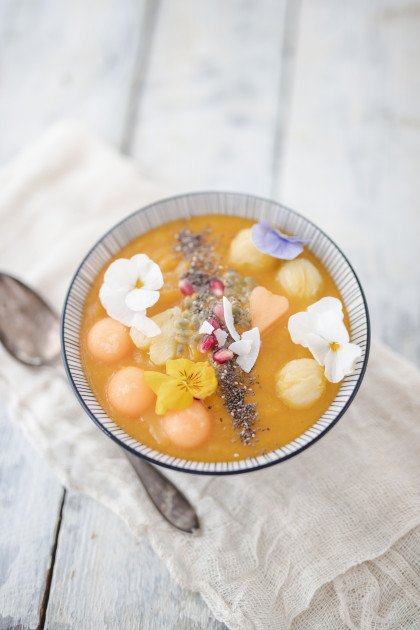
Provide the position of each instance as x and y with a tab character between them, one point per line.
172	395
121	275
272	242
318	346
300	325
155	380
148	272
331	327
199	377
322	330
145	324
323	318
178	368
205	382
325	305
230	323
340	363
115	306
328	319
141	299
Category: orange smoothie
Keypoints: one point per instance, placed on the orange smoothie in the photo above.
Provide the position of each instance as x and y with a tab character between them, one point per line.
183	250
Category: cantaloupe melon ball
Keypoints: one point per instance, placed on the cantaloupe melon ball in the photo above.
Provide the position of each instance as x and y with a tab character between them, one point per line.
108	340
300	383
300	278
128	392
188	428
242	251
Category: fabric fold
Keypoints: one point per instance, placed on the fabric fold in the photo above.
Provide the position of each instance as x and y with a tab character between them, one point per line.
333	531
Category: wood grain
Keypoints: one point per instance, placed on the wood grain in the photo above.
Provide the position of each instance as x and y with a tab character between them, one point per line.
208	114
104	577
352	154
30	501
314	103
73	59
252	97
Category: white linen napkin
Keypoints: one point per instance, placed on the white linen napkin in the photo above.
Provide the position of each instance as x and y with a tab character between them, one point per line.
327	539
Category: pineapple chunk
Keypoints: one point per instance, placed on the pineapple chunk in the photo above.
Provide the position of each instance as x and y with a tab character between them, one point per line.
162	320
300	383
300	278
243	252
140	340
162	347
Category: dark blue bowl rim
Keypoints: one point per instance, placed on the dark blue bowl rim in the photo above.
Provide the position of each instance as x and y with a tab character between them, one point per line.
214	472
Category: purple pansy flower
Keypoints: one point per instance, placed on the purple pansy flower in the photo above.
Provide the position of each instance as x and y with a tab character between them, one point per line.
270	241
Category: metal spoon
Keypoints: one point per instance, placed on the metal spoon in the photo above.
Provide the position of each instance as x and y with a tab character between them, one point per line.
30	332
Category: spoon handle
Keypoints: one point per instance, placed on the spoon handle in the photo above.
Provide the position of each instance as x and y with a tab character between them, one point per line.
24	318
168	499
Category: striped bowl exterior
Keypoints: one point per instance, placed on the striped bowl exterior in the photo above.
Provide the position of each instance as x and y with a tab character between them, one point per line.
214	203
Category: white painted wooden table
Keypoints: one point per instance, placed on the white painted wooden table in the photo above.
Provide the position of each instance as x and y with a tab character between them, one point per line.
314	103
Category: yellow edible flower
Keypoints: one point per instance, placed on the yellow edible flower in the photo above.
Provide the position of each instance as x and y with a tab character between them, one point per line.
184	380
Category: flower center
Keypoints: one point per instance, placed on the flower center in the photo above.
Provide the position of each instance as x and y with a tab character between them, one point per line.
334	346
139	284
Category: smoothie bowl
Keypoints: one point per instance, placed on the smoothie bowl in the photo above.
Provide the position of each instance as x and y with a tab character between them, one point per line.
215	333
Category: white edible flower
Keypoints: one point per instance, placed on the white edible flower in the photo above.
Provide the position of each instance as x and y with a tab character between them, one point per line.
321	329
246	346
130	287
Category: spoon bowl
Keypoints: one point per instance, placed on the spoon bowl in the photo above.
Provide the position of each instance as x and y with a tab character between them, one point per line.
29	328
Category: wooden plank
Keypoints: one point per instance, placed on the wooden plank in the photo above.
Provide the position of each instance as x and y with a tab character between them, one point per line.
30	501
208	111
212	96
352	151
90	76
102	573
73	59
104	577
55	61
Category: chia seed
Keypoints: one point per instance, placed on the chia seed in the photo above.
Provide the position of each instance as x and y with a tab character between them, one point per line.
233	392
234	384
188	242
197	250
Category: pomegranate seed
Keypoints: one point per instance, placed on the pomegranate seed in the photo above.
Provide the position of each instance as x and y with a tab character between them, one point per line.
186	287
213	321
217	287
206	343
219	311
222	355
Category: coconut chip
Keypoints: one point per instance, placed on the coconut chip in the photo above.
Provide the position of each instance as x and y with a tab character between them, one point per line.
241	347
247	361
206	328
230	323
220	335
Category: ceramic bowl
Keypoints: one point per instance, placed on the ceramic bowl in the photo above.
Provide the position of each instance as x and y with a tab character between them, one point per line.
215	203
